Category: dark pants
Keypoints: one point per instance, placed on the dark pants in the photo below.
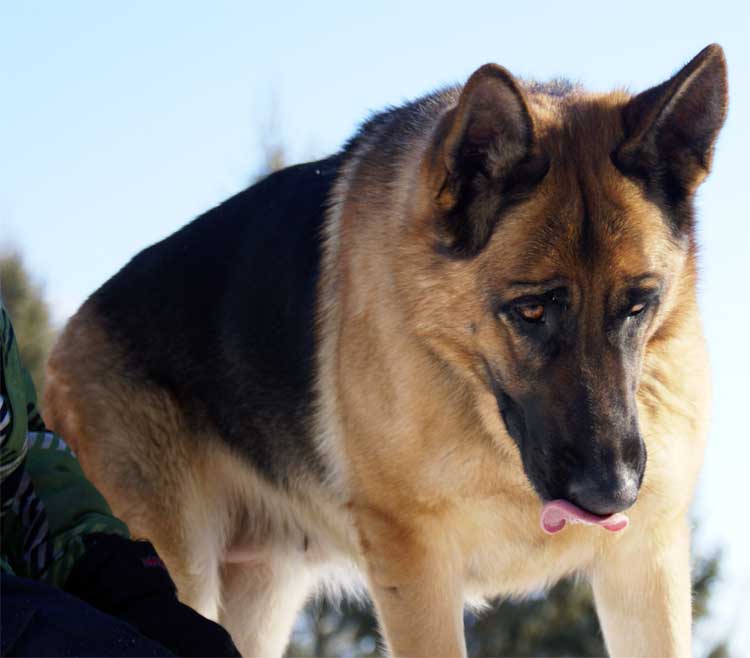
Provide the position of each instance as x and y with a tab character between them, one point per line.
39	620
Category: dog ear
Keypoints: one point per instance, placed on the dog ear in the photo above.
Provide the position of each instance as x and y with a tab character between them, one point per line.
672	128
491	130
484	153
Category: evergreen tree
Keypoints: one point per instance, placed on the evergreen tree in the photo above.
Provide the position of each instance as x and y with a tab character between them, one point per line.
561	622
24	300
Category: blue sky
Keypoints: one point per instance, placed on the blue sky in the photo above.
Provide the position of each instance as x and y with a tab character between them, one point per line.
121	121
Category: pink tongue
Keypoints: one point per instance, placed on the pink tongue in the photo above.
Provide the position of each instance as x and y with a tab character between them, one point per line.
557	513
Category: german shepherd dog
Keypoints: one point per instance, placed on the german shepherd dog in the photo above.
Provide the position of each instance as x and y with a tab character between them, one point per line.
393	363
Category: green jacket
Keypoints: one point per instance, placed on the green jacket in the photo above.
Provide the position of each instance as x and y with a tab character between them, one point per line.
47	504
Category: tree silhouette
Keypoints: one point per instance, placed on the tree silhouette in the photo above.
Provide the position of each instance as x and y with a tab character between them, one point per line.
561	622
24	301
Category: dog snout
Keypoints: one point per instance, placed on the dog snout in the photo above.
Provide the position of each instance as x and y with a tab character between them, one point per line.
605	494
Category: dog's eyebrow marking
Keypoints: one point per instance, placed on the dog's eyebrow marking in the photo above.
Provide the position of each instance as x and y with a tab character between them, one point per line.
552	282
642	278
648	282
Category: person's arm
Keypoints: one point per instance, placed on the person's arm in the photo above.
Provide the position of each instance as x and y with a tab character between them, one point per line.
57	527
48	504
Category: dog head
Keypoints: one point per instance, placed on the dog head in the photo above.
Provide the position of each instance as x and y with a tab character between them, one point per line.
563	250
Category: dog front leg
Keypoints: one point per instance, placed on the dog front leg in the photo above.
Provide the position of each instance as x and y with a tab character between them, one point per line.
643	595
416	584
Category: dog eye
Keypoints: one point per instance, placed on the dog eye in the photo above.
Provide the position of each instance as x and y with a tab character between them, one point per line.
636	309
533	312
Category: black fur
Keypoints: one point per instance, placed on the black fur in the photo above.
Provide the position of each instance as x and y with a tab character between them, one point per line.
222	315
671	130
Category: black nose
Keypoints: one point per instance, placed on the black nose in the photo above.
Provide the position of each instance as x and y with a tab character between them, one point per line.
605	495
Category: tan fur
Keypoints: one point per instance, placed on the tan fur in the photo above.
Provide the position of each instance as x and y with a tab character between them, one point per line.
467	515
227	537
426	494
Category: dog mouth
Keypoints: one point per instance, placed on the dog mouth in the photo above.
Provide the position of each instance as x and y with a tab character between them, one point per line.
556	514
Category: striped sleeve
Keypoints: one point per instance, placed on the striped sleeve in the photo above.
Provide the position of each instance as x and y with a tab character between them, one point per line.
4	420
13	415
48	505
